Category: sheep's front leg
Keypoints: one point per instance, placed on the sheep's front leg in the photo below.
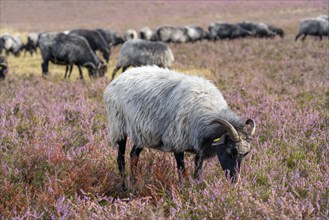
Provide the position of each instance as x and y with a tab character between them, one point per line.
44	67
181	166
121	161
198	166
134	156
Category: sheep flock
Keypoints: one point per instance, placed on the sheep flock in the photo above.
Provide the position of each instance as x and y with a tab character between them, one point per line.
103	40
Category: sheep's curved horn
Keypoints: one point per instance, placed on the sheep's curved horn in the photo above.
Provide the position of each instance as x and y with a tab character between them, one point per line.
89	64
231	130
253	125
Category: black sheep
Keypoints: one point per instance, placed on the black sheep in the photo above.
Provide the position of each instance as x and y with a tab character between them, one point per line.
69	50
95	40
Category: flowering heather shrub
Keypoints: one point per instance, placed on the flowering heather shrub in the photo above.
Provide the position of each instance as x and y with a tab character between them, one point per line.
56	163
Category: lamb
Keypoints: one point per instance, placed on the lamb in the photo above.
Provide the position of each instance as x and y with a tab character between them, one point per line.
130	35
69	50
318	26
141	53
169	111
95	40
173	34
147	33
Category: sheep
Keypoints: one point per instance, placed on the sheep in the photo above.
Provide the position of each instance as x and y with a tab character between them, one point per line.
318	26
32	43
196	33
12	44
224	30
147	33
95	40
173	34
276	30
69	50
3	67
111	37
259	30
169	111
141	53
131	35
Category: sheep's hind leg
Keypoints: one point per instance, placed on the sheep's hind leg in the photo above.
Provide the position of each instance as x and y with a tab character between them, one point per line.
134	157
121	161
181	166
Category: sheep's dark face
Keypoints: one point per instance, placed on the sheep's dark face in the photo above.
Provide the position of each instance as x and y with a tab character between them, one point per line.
233	146
118	40
231	154
102	70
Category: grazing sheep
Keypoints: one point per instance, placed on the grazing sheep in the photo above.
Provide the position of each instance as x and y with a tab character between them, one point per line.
111	37
147	33
141	53
196	33
226	31
173	34
32	43
259	30
12	44
131	35
165	110
318	26
3	67
95	40
276	30
69	50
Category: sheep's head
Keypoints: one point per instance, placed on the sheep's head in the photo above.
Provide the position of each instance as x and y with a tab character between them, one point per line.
233	146
102	69
94	71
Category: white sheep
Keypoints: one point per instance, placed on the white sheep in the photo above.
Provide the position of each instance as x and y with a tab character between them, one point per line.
169	111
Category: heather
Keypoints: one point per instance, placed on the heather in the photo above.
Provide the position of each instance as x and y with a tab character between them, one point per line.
56	161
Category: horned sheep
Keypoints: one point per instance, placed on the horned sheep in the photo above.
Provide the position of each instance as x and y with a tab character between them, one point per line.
169	111
141	53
